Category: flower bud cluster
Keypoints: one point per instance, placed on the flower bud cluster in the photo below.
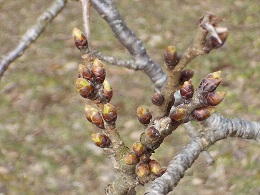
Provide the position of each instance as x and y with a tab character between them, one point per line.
203	100
91	83
145	167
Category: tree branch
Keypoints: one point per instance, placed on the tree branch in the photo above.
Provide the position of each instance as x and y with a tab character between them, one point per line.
217	128
32	34
129	40
118	62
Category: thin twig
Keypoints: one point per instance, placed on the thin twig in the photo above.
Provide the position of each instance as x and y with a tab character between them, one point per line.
114	61
32	34
85	13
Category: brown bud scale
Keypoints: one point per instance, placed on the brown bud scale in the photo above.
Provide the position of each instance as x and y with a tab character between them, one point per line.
144	115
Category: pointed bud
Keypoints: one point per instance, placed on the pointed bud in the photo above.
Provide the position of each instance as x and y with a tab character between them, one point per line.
186	75
211	82
99	71
154	167
107	92
131	159
85	88
109	113
89	110
80	39
222	34
187	90
138	148
214	98
157	99
162	171
142	170
201	114
152	133
85	73
144	115
93	115
170	57
145	158
101	140
178	115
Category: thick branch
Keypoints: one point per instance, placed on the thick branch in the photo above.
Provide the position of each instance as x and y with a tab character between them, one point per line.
129	40
32	34
217	128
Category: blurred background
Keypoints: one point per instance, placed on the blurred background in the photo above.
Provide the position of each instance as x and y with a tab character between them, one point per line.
45	145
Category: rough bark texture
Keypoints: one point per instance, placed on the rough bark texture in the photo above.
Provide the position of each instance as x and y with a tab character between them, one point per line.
217	128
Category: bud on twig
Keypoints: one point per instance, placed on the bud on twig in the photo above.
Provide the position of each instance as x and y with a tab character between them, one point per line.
131	159
145	158
186	75
144	115
85	88
108	92
142	170
154	167
214	98
170	57
138	148
85	73
178	115
152	133
80	39
162	171
187	90
211	82
93	115
109	113
222	34
101	140
99	71
157	99
201	114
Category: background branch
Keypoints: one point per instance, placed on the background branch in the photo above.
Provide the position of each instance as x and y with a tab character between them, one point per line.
128	39
32	34
217	128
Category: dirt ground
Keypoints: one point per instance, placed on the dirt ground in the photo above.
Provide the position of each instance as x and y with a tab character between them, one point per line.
45	145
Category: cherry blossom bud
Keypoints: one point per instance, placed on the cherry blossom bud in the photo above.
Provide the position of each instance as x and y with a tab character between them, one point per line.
201	114
131	159
99	71
157	99
142	169
85	73
154	167
80	39
85	88
178	115
186	75
108	92
187	90
170	57
152	133
210	82
144	115
214	98
101	140
109	113
138	148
